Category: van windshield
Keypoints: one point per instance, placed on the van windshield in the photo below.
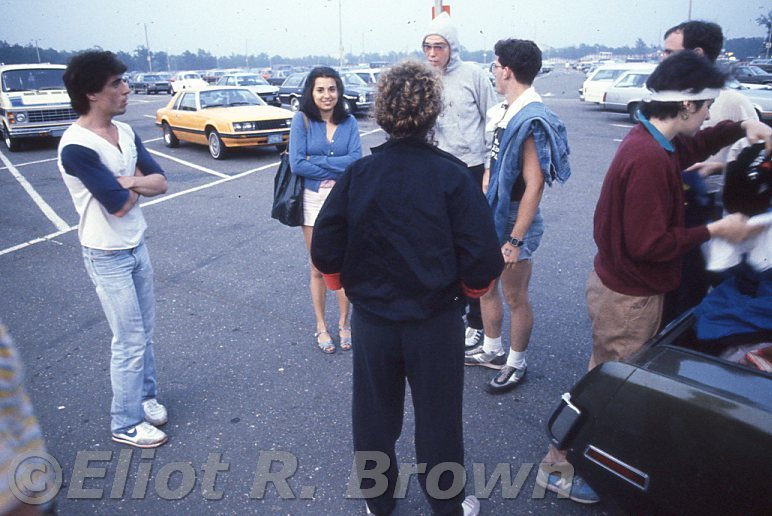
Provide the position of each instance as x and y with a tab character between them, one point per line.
33	79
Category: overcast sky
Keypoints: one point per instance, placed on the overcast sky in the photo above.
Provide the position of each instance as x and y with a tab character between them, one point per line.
295	28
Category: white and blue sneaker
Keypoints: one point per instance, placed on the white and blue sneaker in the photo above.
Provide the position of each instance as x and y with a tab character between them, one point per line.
143	435
472	338
574	488
479	357
155	413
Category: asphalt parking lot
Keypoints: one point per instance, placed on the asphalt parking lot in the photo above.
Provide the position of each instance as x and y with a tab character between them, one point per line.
238	368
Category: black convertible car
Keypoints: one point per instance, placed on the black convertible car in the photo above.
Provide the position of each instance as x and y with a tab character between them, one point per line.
674	430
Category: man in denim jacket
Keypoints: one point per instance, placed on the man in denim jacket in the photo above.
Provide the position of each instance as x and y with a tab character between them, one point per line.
530	148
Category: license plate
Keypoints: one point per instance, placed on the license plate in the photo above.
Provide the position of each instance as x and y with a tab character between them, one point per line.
275	138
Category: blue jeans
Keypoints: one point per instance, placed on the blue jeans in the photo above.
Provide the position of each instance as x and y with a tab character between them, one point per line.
124	284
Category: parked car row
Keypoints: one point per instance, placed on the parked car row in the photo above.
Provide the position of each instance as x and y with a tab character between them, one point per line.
624	94
256	83
357	94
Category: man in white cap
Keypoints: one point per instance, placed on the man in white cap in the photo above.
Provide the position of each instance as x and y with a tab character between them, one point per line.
460	128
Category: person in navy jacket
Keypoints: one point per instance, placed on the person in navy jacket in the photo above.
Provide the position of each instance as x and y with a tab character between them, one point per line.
407	232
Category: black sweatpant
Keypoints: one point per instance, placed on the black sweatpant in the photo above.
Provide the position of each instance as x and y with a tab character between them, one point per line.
430	355
474	315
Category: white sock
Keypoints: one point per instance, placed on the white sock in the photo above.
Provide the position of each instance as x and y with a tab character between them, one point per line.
491	345
516	359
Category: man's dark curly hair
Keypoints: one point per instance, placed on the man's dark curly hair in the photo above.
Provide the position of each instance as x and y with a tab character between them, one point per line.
522	56
409	100
88	72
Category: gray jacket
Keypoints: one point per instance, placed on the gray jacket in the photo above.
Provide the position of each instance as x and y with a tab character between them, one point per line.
467	96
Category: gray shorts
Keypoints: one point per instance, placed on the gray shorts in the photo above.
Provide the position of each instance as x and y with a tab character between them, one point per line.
533	237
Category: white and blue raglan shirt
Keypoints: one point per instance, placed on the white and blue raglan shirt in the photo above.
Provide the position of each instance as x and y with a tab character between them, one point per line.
89	165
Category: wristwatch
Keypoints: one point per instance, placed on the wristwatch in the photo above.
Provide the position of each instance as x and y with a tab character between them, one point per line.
515	242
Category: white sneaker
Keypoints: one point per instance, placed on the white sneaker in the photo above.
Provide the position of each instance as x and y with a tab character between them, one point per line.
471	506
143	435
472	338
155	413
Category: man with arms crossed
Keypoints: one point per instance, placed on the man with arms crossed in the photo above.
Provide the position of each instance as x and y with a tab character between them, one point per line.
106	168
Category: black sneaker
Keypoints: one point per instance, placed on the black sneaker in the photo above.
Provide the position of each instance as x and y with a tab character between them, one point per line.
473	338
507	379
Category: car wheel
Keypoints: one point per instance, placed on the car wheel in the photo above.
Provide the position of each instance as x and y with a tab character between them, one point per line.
12	144
170	140
281	147
295	104
632	111
217	148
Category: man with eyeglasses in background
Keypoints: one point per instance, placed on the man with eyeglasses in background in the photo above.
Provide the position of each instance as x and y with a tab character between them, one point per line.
460	128
706	39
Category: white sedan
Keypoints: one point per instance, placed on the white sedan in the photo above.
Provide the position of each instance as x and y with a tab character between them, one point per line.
187	81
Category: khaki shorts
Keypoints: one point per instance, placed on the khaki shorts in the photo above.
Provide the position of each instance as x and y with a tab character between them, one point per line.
621	324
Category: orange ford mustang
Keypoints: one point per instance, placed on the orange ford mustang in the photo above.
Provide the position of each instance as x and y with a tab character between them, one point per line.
223	117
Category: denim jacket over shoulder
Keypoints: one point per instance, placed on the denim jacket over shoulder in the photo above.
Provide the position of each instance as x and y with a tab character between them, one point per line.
551	141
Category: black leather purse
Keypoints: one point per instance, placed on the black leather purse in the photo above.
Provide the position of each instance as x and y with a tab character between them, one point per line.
287	195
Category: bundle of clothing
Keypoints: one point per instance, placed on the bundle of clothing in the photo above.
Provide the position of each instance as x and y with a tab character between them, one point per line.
739	310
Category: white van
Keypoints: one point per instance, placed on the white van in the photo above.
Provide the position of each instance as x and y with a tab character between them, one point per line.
599	80
33	103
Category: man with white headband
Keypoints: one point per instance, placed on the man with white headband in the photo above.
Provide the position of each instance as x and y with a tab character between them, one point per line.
639	219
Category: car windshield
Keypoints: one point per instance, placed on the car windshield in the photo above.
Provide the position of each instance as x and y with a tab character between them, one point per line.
228	98
369	77
33	79
152	78
252	80
352	79
632	80
755	70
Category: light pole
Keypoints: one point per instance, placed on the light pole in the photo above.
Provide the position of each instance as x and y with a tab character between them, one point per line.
147	47
485	49
340	34
37	48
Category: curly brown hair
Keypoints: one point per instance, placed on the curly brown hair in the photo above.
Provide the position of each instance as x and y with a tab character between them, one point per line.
409	100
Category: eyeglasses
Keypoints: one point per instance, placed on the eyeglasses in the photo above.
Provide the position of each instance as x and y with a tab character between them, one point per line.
495	65
438	47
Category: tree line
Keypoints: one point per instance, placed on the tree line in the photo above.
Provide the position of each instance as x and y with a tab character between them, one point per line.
204	60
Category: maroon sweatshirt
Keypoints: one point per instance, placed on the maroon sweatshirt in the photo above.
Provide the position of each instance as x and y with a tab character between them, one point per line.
639	219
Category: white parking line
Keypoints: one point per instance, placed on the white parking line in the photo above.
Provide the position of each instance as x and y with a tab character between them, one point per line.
224	179
624	126
188	164
49	212
31	163
159	200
